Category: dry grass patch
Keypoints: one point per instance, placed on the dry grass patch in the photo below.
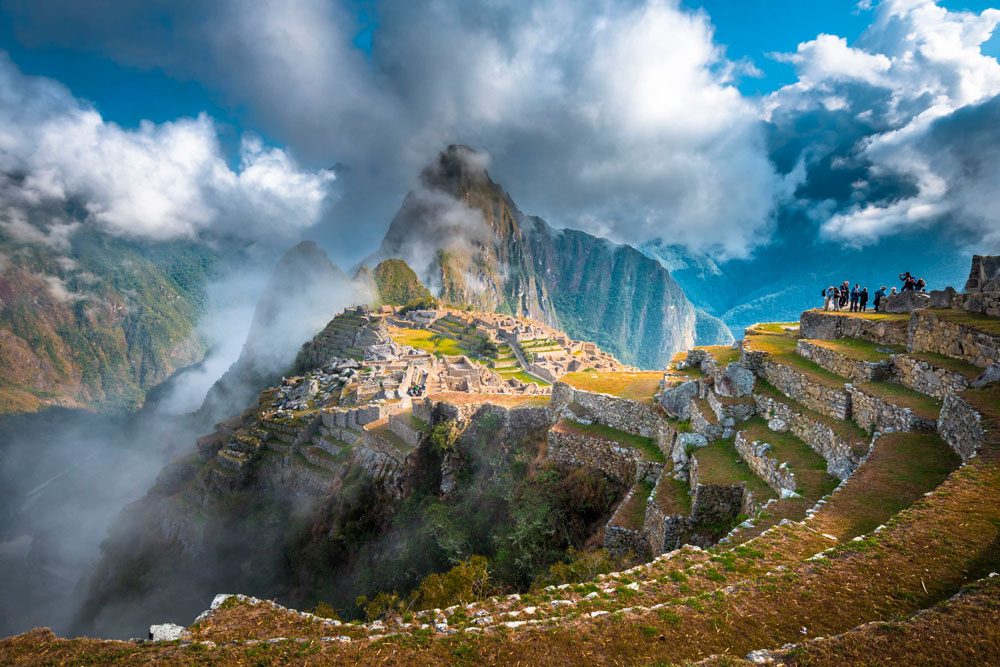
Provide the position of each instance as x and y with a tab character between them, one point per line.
638	386
860	350
965	318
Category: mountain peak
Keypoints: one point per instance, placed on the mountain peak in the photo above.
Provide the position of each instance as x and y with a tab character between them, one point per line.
456	168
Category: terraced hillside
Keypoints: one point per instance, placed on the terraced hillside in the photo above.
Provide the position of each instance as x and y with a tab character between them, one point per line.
826	491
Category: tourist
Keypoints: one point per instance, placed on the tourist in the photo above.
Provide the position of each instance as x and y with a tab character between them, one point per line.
879	298
855	295
863	300
892	292
827	295
845	293
835	298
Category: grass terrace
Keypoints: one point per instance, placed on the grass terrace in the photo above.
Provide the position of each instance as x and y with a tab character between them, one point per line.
774	328
978	321
964	368
922	405
719	464
381	429
673	496
723	354
506	400
633	513
868	315
846	429
646	446
634	386
812	480
433	342
523	376
781	349
860	350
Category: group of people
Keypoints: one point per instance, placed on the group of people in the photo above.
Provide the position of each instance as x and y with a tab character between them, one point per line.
856	298
416	390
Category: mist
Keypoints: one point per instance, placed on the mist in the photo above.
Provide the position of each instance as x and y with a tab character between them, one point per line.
66	475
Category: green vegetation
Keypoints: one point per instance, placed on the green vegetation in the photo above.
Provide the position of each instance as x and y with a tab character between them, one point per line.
523	376
434	342
640	386
723	354
397	284
720	464
846	429
633	513
781	349
646	446
812	480
868	315
673	496
922	405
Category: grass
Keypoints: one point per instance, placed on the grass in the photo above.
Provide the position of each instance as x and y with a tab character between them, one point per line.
429	341
523	376
860	350
719	464
646	446
781	349
382	430
846	429
964	368
633	386
812	480
633	514
673	496
922	405
978	321
723	354
868	315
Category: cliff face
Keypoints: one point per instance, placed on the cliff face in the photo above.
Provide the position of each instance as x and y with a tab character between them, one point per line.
97	323
468	240
397	284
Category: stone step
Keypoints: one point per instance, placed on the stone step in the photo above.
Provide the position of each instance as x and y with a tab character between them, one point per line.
852	358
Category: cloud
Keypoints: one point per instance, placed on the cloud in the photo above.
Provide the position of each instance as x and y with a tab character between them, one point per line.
615	116
157	182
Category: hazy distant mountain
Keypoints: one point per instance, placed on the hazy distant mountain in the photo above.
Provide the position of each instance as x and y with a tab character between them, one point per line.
470	243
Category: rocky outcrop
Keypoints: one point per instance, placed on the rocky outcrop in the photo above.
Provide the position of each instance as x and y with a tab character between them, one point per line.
906	301
676	400
984	276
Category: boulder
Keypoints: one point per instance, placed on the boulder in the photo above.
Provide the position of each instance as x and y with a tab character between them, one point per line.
990	375
942	298
165	632
676	401
984	276
686	441
777	425
736	381
907	302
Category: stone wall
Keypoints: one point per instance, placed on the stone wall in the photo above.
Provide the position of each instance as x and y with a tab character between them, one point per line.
705	424
401	425
716	506
961	426
617	462
930	333
828	325
928	379
381	461
664	532
730	411
829	401
873	414
774	473
835	362
984	274
841	455
620	413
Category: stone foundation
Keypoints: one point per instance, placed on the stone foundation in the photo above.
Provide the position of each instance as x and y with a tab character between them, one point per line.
961	426
620	463
829	325
835	362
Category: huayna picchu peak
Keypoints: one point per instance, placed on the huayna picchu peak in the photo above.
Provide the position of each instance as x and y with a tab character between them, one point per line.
792	498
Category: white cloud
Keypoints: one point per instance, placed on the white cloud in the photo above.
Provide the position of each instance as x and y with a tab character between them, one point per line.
158	182
828	57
